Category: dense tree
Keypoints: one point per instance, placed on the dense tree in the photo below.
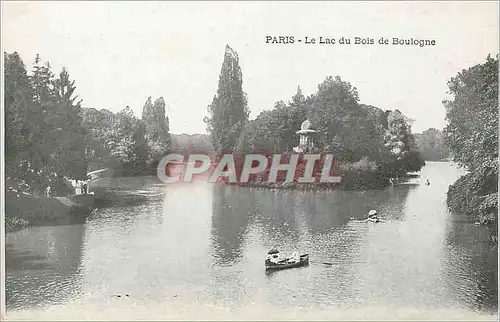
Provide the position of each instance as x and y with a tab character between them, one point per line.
472	136
141	152
363	138
186	144
20	118
123	142
44	142
45	135
431	143
99	125
472	115
403	151
70	150
275	130
50	137
156	127
333	108
349	130
129	150
228	111
60	148
264	134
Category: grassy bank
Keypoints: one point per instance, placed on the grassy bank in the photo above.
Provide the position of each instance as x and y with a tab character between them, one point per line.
28	210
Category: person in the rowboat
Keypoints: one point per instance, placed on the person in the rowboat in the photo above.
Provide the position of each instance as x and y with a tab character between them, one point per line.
373	215
273	256
294	258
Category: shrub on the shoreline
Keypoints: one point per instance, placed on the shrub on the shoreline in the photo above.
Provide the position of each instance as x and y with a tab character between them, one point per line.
363	180
27	210
14	223
464	198
472	136
361	175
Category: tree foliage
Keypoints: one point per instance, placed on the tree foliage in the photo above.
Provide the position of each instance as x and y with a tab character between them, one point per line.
228	112
50	137
431	143
156	127
472	136
44	126
186	144
121	141
21	117
345	128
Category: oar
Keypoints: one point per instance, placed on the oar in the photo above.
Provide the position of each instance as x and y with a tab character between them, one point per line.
325	263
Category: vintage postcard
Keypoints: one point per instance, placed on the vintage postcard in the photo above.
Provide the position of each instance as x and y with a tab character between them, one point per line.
249	160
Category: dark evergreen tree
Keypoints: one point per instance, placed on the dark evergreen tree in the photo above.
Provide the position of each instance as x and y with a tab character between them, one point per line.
21	120
44	127
71	157
45	139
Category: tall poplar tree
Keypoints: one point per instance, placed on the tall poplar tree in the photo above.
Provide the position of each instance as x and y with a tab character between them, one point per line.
228	111
156	127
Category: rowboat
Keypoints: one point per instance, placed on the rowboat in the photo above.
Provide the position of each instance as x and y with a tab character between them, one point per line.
372	216
286	263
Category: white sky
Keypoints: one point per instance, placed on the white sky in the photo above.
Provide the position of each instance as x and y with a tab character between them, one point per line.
120	53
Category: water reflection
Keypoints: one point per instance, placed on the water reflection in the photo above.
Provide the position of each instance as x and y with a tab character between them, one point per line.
43	265
149	251
231	214
320	223
206	244
471	266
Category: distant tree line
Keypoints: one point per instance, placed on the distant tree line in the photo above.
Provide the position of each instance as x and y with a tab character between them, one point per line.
363	138
186	144
472	137
50	137
129	145
432	145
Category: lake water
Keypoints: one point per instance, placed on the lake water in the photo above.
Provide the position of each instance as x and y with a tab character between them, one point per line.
197	251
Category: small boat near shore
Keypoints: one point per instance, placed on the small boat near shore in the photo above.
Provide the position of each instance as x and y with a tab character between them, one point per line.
284	264
373	216
289	262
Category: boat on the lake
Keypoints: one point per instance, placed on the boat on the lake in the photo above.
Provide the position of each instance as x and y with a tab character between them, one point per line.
273	262
373	216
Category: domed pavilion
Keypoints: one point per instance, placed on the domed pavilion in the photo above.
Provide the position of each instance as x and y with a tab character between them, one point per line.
306	134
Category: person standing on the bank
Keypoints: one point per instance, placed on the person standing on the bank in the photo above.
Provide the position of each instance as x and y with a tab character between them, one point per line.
47	192
84	188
